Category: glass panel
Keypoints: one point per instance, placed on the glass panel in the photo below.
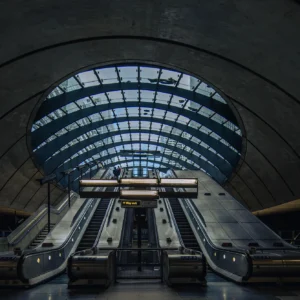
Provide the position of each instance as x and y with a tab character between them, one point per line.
56	92
115	96
205	89
69	108
169	77
193	106
148	74
147	96
219	98
131	95
70	85
185	82
88	78
108	75
85	103
128	74
100	99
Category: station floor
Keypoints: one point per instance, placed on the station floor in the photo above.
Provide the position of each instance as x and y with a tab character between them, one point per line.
217	288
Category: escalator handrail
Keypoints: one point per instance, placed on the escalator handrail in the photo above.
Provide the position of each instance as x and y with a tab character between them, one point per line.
78	213
201	226
123	228
198	213
168	212
31	224
110	208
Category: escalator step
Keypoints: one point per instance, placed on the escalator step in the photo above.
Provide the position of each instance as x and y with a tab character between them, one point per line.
184	227
92	230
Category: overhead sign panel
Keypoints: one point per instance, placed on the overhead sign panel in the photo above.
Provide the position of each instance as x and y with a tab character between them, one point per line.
139	203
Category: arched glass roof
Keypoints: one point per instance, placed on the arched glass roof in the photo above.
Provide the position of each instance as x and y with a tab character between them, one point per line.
136	116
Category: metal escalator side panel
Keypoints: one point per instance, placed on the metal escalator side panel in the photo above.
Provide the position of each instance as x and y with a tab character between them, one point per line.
43	264
92	269
235	265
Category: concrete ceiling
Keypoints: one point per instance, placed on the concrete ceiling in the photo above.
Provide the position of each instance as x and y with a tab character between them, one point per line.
248	50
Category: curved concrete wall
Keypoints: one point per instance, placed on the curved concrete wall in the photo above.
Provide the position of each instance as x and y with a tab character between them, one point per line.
247	49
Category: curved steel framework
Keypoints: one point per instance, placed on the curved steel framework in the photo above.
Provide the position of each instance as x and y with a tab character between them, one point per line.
138	110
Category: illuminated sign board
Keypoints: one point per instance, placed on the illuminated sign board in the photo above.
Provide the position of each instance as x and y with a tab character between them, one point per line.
130	203
139	203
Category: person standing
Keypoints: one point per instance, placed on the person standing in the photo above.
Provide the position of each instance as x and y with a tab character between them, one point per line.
115	171
119	170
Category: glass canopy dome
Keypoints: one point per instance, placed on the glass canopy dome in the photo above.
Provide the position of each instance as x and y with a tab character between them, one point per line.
136	116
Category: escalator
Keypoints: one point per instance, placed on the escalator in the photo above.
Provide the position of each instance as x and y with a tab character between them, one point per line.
92	230
235	243
184	227
33	266
41	236
127	235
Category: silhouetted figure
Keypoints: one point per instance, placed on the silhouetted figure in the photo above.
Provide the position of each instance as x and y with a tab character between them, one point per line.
119	170
115	171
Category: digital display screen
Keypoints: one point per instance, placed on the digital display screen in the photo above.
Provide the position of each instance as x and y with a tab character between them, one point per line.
131	203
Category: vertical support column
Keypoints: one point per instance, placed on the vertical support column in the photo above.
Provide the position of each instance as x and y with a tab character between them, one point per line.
69	189
115	265
162	265
139	228
48	207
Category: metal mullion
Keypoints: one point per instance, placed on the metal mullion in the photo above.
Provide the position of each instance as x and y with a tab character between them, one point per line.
61	89
50	117
155	93
139	107
182	134
163	152
129	126
90	97
59	136
195	88
140	139
78	81
77	104
120	83
175	121
180	153
112	138
149	139
179	78
102	140
164	118
98	77
213	94
119	128
130	133
155	98
59	109
64	110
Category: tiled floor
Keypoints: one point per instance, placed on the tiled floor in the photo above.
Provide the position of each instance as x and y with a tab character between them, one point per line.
217	288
